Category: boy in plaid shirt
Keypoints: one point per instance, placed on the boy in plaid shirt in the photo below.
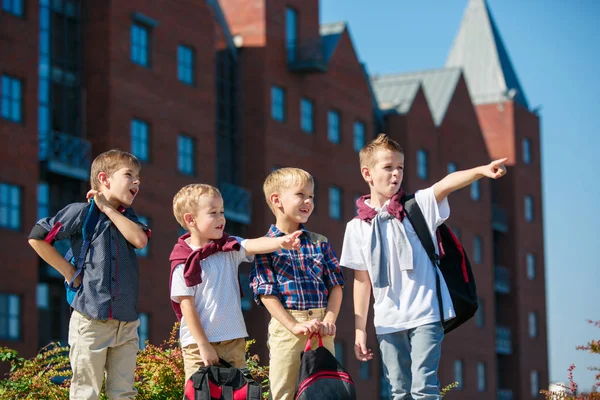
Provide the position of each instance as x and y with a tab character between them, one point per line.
302	289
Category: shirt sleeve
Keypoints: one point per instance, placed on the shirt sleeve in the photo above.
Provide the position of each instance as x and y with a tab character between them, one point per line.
178	286
240	256
64	224
333	275
352	255
435	213
262	277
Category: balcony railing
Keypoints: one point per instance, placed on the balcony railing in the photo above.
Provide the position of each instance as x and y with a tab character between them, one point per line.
238	206
307	56
501	279
503	340
505	394
66	155
499	219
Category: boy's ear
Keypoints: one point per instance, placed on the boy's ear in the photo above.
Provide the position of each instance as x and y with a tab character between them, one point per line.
103	178
275	200
366	174
188	218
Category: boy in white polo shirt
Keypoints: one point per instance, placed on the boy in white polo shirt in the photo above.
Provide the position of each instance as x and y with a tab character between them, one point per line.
386	254
205	290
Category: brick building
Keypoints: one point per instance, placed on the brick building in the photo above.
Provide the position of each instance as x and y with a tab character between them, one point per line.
224	92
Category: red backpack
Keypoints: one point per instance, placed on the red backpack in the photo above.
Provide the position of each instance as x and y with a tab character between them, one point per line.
322	377
222	383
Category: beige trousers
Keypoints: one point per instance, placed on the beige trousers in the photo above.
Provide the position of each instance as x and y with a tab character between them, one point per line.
233	351
99	347
285	349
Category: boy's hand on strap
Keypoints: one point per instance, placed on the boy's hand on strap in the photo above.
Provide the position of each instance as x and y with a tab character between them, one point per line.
495	169
291	241
99	199
361	351
208	354
327	328
306	327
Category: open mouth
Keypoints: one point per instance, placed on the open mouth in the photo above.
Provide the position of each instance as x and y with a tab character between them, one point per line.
304	210
220	227
133	192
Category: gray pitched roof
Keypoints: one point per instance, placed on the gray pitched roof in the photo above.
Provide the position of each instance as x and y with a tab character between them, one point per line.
330	34
479	50
398	91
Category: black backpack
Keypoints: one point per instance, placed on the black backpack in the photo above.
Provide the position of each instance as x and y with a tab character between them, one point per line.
222	383
322	377
454	265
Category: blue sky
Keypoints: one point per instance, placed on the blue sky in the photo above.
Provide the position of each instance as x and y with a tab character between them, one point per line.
554	47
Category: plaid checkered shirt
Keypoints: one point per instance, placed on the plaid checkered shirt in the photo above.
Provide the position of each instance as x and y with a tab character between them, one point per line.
301	279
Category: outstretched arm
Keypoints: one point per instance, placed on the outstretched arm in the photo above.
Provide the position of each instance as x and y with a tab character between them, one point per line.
459	179
265	245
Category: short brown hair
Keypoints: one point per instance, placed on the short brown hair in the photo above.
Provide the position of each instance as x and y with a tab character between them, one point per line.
285	178
111	161
188	199
381	142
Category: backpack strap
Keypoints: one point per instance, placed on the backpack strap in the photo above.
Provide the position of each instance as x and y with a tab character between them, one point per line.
89	226
417	220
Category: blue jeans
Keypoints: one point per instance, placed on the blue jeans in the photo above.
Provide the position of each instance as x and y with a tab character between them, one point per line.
410	361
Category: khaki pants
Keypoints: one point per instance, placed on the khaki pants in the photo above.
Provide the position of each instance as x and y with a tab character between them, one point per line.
98	347
285	349
233	351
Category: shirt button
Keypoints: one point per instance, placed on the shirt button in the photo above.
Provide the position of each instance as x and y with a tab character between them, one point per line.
114	258
113	278
310	312
113	298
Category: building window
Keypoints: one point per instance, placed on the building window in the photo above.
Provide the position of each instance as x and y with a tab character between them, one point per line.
140	140
535	383
477	250
422	167
278	103
43	200
185	155
335	203
291	32
359	135
533	324
528	208
10	206
306	115
14	7
481	384
458	373
140	44
12	98
333	126
146	250
526	151
42	296
530	266
144	329
10	317
451	167
480	314
185	64
475	191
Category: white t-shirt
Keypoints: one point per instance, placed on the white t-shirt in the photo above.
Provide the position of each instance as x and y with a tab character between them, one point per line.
217	298
411	298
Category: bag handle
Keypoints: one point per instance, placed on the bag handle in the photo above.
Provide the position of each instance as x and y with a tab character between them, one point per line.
89	226
307	347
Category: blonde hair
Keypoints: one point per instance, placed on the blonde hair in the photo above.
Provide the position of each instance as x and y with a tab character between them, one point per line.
285	178
381	142
111	161
188	198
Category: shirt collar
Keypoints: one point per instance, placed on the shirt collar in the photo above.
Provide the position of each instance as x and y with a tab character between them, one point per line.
275	232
